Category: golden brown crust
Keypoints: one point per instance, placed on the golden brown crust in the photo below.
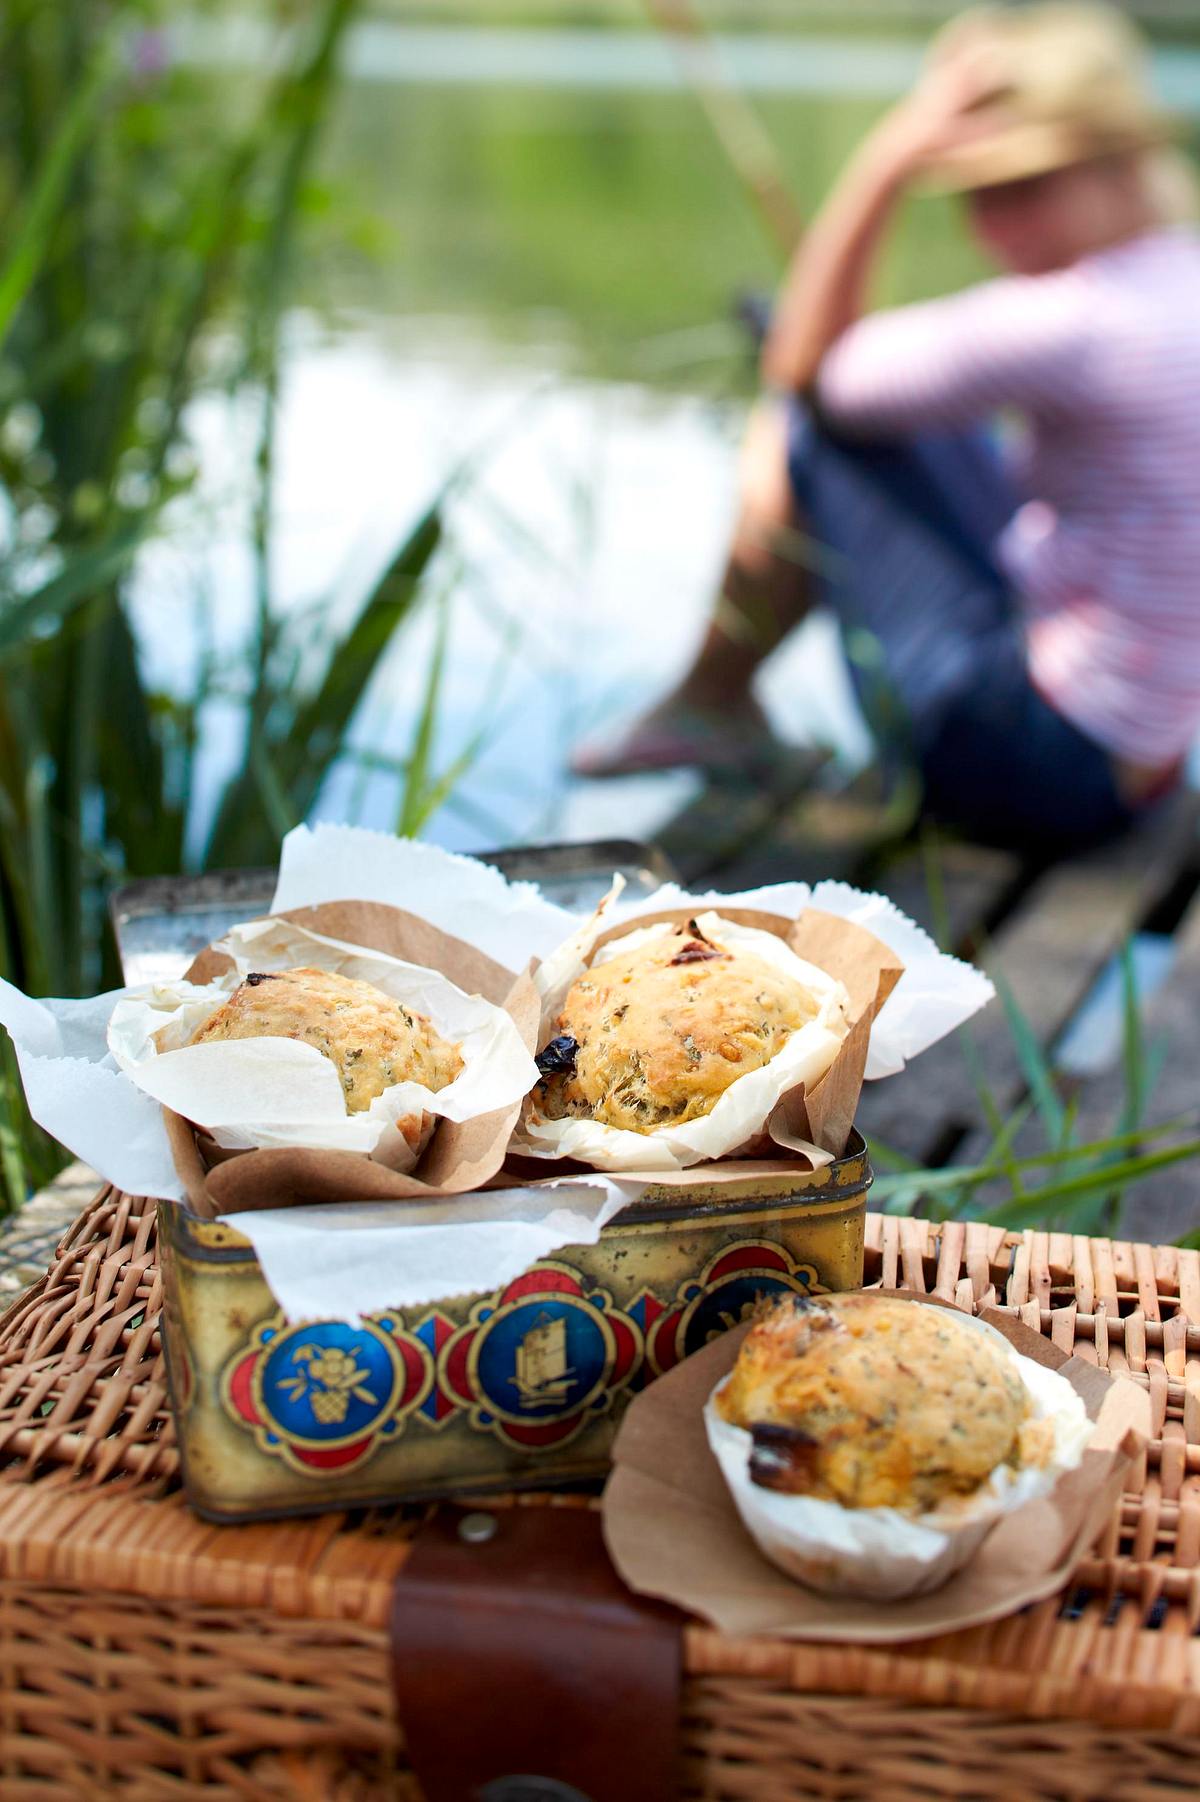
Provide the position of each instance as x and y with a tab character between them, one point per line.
875	1403
661	1029
372	1040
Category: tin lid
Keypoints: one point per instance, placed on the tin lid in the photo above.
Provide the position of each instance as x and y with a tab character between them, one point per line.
162	922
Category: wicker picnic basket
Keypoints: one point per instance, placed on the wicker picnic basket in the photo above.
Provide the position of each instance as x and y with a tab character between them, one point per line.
147	1655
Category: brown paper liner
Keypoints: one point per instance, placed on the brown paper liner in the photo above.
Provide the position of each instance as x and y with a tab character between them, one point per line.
674	1532
824	1114
461	1155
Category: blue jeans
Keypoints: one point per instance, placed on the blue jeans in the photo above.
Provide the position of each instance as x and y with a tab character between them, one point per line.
904	533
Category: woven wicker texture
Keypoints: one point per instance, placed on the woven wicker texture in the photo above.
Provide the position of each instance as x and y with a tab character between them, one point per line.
146	1654
28	1239
81	1373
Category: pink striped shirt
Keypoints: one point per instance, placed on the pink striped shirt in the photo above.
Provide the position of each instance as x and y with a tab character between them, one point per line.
1102	360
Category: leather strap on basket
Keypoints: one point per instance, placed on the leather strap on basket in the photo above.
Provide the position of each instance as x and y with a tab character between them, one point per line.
525	1671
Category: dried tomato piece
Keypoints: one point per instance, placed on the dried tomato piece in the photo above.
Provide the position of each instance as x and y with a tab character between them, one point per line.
695	952
698	949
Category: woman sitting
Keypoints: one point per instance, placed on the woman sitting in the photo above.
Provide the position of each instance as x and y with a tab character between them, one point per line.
1036	617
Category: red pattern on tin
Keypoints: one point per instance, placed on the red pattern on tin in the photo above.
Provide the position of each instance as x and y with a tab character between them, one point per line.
334	1459
746	1257
664	1351
627	1346
541	1282
454	1369
546	1435
239	1390
443	1403
414	1369
443	1329
651	1310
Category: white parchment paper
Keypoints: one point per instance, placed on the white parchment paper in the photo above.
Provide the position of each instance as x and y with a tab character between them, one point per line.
76	1090
270	1092
513	922
510	921
344	1261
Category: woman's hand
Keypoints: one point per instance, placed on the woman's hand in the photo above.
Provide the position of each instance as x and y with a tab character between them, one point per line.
947	108
826	284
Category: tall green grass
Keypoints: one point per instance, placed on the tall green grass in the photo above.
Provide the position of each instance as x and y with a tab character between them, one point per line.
147	260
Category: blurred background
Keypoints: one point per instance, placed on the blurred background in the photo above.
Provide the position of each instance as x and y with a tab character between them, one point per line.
371	377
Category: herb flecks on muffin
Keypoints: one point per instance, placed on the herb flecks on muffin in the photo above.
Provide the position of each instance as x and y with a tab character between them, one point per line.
661	1028
877	1403
372	1040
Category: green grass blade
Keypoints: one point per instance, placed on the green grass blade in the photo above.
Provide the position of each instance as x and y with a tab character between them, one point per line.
302	751
13	1171
1000	1149
414	808
420	784
973	1175
887	1158
85	574
322	722
1034	1202
130	761
1133	1049
274	796
1001	1130
298	110
1035	1066
31	234
439	790
935	883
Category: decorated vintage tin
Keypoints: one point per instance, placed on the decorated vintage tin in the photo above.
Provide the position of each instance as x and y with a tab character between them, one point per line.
522	1387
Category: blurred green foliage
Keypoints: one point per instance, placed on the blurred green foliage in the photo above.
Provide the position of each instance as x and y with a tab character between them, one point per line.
597	217
148	260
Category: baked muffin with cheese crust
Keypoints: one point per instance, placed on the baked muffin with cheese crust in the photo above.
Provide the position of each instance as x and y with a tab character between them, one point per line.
877	1403
655	1033
372	1040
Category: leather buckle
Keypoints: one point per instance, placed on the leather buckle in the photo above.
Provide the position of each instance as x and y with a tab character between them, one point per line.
525	1671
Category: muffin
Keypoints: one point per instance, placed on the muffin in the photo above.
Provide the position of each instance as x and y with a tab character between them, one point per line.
870	1445
372	1041
656	1030
876	1403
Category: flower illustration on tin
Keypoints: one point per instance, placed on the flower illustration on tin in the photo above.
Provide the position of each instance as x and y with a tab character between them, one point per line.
331	1378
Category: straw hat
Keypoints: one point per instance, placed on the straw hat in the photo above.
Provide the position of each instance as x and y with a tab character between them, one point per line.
1063	82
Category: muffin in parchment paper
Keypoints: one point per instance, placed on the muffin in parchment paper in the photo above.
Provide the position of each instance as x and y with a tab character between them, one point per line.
871	1444
876	1403
656	1030
372	1040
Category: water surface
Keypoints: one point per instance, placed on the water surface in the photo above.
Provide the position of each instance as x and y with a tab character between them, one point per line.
546	253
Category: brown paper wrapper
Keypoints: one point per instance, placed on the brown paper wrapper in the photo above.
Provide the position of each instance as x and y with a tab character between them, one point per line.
821	1115
460	1156
673	1531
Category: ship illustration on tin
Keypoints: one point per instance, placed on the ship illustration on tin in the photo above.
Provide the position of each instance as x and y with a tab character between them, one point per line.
542	1372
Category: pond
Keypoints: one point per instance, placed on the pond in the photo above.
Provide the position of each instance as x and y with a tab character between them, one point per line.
552	252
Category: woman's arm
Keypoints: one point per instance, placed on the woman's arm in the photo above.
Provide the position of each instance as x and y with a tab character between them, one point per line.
825	288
